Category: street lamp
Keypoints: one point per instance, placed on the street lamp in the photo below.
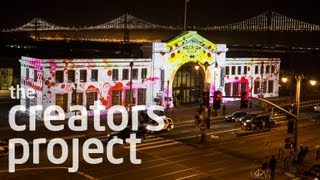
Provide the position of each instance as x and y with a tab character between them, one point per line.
262	81
197	68
298	89
284	79
313	82
130	106
74	102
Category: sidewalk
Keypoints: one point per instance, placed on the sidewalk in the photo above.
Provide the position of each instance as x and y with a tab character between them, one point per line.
187	112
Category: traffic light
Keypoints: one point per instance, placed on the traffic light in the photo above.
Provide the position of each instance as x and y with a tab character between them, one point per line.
217	98
290	126
244	100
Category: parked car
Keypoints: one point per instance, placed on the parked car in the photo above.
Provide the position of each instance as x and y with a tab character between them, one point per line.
278	116
316	108
235	116
312	173
4	148
258	122
141	133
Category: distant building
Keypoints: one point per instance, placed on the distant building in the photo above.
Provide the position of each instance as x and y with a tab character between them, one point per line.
169	75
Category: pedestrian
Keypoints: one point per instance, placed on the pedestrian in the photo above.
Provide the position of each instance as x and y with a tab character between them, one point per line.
305	152
209	111
224	108
208	122
272	166
317	152
178	98
300	154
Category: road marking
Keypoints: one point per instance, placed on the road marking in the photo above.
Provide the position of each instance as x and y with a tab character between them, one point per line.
49	168
187	177
157	146
175	172
219	169
217	132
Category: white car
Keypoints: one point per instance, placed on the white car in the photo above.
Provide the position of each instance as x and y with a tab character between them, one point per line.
317	108
168	123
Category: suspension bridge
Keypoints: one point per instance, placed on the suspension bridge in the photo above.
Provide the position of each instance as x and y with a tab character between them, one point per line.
267	21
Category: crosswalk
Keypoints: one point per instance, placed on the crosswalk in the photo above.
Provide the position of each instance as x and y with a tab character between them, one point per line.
153	142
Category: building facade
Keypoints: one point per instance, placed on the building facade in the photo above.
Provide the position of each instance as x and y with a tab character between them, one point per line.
179	71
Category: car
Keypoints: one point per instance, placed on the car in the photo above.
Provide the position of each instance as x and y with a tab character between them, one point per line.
4	148
168	123
278	116
244	118
316	108
258	122
234	117
312	173
141	133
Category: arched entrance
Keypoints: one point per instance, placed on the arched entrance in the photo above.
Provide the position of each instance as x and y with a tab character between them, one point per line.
188	84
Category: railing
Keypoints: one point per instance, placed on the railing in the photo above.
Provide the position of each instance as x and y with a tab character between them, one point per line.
310	103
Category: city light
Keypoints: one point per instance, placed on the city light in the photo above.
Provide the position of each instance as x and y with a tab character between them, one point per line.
284	79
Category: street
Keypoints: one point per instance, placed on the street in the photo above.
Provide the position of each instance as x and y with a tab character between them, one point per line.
178	154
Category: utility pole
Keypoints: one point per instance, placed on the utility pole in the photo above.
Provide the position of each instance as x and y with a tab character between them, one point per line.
298	77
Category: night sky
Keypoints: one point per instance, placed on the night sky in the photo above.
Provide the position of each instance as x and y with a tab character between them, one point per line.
167	12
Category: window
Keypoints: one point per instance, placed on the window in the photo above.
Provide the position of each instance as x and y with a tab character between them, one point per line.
91	97
273	68
244	70
144	73
267	69
116	97
78	100
115	74
27	73
62	101
127	100
227	70
162	79
270	87
239	69
228	89
94	75
59	77
71	75
256	87
264	86
35	75
125	74
233	70
235	87
142	93
134	73
256	69
83	75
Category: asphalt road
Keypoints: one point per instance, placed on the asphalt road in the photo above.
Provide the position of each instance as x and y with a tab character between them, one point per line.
178	155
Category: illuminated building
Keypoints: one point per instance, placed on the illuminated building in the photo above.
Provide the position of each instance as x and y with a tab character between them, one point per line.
168	75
